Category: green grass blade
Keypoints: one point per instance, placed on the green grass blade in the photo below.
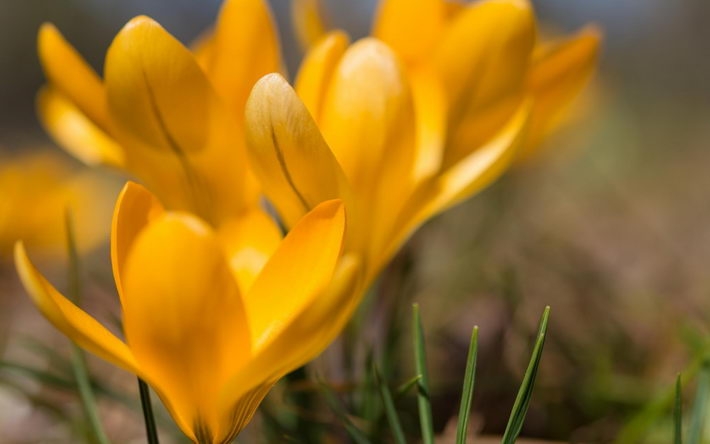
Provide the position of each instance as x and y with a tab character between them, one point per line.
467	391
357	435
150	428
390	411
78	360
700	406
426	420
522	402
407	386
678	413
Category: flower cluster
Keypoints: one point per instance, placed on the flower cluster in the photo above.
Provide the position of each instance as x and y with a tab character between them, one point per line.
374	138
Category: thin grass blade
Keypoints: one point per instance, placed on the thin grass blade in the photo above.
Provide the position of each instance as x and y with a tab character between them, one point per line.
678	413
426	420
700	406
357	435
390	411
467	391
522	402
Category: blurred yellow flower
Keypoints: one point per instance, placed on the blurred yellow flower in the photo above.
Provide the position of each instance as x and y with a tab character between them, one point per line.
36	189
170	116
208	342
477	63
353	134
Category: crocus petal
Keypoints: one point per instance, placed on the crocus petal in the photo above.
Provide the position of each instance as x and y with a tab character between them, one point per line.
431	110
182	138
560	70
245	46
483	60
184	317
411	28
249	241
74	131
287	152
70	319
135	208
301	267
308	23
70	74
317	68
312	328
461	181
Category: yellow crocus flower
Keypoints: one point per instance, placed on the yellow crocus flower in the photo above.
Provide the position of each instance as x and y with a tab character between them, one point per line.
478	61
353	134
210	347
168	115
37	188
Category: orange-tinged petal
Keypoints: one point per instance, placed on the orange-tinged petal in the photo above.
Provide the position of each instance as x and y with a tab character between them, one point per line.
70	74
249	241
135	208
74	131
306	334
184	318
461	181
287	152
245	46
559	72
308	23
483	61
70	319
185	145
368	121
299	269
411	28
317	69
431	111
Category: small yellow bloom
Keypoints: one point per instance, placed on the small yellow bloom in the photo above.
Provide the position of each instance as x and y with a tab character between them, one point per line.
353	134
37	189
210	345
170	116
479	62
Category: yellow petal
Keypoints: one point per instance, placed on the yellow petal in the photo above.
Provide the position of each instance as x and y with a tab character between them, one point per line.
71	75
308	23
560	70
299	269
135	208
369	123
287	152
431	114
71	320
74	131
184	318
411	28
317	69
461	181
245	46
184	144
305	335
483	61
249	241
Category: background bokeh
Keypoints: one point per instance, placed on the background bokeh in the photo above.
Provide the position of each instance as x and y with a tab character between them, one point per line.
609	226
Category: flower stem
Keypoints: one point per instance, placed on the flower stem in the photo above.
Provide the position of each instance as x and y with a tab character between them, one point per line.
150	428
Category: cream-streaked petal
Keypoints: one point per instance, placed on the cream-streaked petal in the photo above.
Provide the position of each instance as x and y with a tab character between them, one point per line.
411	28
559	72
245	46
135	208
74	131
249	240
70	319
483	60
306	334
287	152
317	68
308	22
461	181
302	266
368	120
67	71
184	317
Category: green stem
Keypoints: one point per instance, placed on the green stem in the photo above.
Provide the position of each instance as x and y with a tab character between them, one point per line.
150	428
